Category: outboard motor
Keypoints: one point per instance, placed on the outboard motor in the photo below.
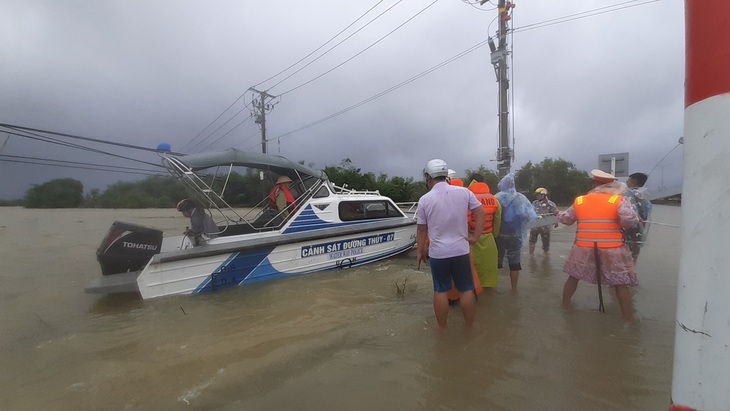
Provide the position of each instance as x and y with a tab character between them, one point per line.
128	247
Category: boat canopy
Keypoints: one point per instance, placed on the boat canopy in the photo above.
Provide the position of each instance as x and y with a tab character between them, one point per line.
278	164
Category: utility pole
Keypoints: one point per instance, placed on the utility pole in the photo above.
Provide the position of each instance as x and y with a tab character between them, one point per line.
499	61
261	107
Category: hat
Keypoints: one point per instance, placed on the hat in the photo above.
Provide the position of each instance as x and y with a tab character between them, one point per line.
283	179
184	204
601	176
541	190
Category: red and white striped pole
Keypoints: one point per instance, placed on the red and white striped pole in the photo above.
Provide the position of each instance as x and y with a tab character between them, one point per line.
701	378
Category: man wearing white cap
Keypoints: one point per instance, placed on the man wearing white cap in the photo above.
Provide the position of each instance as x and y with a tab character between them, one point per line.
443	238
599	254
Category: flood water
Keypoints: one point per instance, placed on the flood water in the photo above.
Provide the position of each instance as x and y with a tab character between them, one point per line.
336	340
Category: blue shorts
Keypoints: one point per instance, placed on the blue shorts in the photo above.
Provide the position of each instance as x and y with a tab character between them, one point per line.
443	270
510	247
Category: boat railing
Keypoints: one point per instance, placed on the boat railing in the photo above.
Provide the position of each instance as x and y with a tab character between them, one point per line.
258	218
232	221
195	182
345	191
408	207
268	218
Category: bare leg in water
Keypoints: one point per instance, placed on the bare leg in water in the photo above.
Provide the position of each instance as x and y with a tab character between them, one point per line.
571	284
468	308
441	309
514	277
467	302
624	301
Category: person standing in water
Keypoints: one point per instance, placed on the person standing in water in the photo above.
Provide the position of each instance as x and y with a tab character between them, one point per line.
599	254
636	236
484	252
442	238
516	212
543	207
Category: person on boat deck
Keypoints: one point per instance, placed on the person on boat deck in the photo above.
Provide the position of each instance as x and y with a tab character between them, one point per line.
543	206
201	224
442	238
636	236
601	214
281	198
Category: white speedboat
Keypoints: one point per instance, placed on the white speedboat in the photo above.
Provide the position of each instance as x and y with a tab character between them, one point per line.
332	228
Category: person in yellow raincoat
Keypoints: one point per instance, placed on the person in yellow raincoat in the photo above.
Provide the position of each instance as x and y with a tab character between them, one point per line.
484	251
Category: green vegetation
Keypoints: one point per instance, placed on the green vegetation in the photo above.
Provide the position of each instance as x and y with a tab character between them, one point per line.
562	180
152	192
490	177
58	193
398	188
560	177
12	203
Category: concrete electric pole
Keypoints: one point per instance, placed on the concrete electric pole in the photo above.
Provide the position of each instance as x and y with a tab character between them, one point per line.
261	107
499	61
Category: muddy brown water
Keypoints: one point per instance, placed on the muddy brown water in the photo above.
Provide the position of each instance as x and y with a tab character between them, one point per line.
336	340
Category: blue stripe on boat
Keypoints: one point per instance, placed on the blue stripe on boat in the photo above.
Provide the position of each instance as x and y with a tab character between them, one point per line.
234	271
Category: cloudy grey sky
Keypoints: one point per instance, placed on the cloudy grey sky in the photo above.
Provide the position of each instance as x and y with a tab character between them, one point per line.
588	77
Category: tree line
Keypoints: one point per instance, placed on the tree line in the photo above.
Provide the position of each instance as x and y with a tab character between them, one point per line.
561	178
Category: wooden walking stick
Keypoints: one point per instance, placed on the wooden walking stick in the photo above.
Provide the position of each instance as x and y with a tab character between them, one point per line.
598	277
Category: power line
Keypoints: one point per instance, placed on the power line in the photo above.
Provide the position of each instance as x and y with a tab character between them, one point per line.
291	66
346	61
95	140
589	13
246	105
584	14
387	91
221	126
74	164
467	51
333	47
328	41
227	133
475	4
76	167
360	52
35	136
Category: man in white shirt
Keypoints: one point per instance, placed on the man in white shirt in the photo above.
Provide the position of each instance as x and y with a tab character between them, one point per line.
443	238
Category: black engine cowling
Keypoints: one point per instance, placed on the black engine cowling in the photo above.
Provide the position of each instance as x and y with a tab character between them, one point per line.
127	247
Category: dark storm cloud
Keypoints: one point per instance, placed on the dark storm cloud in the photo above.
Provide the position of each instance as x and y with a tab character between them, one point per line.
142	72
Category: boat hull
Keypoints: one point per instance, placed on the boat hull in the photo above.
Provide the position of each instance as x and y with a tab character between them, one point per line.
221	266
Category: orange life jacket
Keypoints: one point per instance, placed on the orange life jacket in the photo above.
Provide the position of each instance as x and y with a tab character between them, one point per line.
490	204
456	182
291	204
597	215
